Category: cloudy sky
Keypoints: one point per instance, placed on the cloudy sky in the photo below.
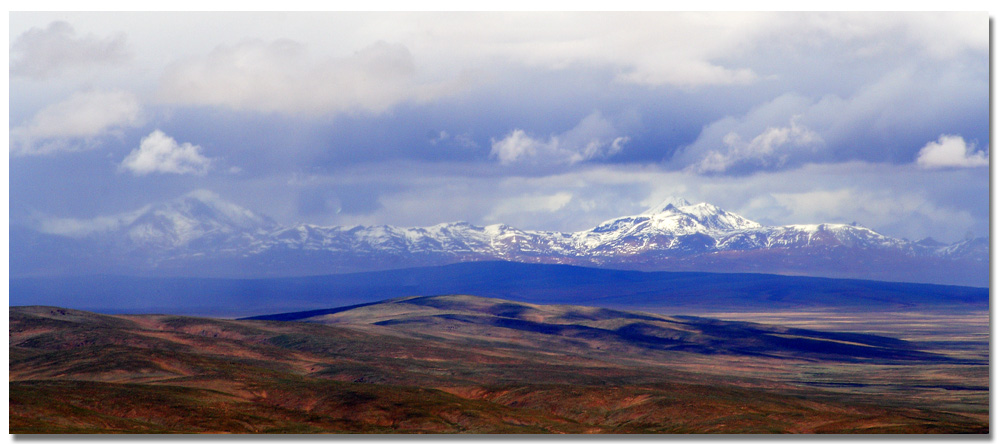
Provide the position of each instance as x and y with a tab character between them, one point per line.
539	120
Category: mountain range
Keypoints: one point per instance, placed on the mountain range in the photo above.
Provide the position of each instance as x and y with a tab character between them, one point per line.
201	235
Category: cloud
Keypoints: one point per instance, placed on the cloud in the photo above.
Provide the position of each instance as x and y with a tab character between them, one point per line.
78	228
159	153
71	125
880	120
894	212
718	57
771	148
938	35
547	203
688	74
658	49
324	198
951	151
896	200
875	88
42	53
279	76
593	138
444	138
82	227
695	50
518	145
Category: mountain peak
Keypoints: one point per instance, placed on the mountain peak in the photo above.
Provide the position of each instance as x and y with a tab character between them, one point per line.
668	204
930	242
196	215
202	195
201	233
204	205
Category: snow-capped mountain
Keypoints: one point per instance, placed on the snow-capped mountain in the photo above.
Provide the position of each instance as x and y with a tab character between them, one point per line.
202	235
198	219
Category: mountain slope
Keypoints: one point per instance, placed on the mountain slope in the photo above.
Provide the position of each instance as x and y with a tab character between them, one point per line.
202	236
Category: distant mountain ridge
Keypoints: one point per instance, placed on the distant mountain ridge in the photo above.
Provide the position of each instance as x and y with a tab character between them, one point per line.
201	235
666	292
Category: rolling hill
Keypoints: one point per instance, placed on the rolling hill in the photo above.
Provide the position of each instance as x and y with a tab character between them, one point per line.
465	364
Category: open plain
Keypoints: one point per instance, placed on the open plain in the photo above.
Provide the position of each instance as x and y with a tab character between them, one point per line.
466	364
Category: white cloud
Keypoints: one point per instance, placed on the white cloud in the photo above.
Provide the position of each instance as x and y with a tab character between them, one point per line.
691	50
894	212
79	227
688	74
879	121
896	200
159	153
769	149
939	35
71	124
72	227
517	145
41	53
280	77
653	49
532	204
593	138
650	48
463	140
951	151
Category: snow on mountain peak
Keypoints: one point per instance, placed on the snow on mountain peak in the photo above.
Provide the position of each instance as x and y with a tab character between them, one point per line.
200	214
715	218
206	206
202	225
668	204
710	216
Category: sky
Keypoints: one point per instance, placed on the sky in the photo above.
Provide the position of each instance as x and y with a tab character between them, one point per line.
546	121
